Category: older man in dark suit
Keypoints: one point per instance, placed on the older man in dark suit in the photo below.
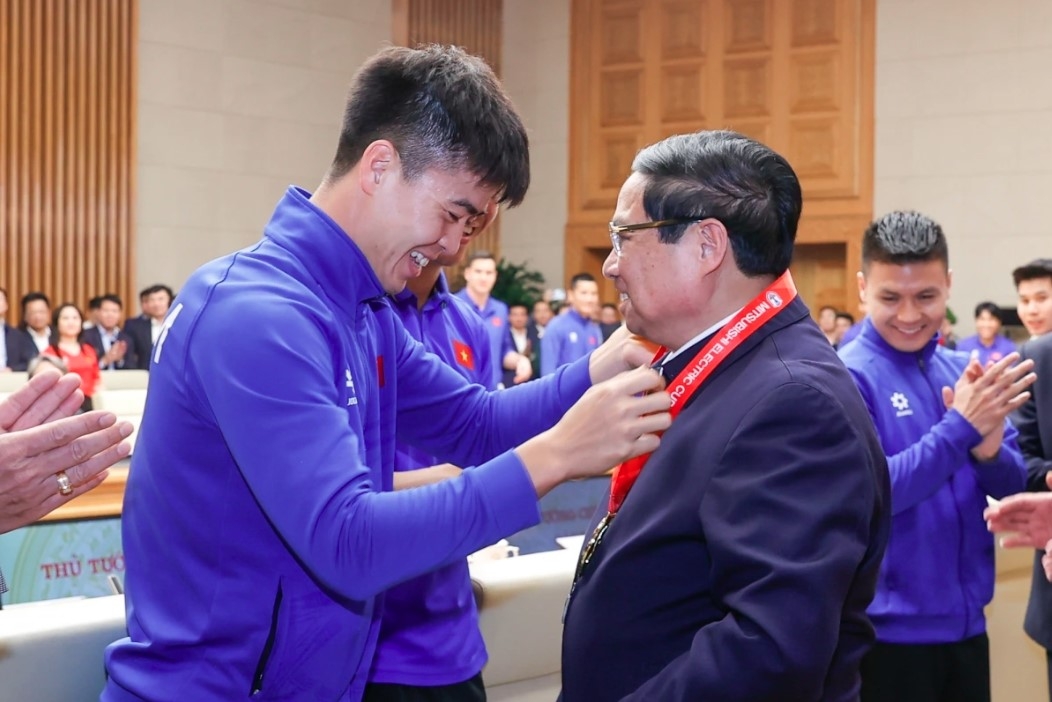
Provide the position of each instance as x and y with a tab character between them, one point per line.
738	565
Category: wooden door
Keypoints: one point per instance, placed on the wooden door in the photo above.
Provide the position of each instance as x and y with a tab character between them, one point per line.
794	74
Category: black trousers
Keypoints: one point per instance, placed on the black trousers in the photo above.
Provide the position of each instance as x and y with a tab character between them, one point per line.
468	691
953	672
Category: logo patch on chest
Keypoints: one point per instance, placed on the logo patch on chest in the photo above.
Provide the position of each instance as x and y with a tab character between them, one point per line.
901	404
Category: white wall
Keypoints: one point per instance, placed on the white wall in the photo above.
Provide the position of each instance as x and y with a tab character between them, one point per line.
237	99
536	68
963	117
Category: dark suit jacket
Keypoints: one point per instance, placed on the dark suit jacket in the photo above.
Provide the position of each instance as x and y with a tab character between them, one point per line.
508	376
1034	422
744	557
140	337
93	337
20	347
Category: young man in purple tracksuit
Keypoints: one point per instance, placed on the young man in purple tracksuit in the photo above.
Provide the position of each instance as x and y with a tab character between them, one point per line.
430	646
942	422
259	526
574	334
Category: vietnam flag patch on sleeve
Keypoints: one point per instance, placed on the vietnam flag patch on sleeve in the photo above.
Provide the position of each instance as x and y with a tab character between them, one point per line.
464	354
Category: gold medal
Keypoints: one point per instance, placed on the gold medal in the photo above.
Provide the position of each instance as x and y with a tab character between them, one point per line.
589	548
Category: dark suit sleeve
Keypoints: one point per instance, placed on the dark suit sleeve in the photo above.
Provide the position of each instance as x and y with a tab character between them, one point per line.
131	356
1026	422
138	344
20	349
93	338
788	518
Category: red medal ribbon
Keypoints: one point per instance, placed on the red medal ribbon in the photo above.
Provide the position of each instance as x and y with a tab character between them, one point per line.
773	299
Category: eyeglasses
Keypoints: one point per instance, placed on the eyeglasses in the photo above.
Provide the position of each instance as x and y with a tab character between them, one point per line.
617	231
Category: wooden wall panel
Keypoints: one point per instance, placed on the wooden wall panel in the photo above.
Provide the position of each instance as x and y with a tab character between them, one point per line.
67	148
475	26
794	74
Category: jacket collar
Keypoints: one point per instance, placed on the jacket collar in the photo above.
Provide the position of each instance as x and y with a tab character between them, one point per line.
438	293
793	313
872	337
327	252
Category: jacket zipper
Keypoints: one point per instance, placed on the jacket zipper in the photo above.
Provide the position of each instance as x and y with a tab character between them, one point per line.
956	508
257	679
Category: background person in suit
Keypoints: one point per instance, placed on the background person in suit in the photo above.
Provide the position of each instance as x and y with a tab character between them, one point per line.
524	341
144	330
15	347
111	343
744	555
36	318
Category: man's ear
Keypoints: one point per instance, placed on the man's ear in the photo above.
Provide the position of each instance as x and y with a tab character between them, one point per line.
379	159
713	242
860	278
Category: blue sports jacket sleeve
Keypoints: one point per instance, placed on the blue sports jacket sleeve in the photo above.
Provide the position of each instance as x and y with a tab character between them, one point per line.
921	469
500	420
286	426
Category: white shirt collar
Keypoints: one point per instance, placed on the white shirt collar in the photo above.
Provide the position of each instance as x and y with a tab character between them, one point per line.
711	330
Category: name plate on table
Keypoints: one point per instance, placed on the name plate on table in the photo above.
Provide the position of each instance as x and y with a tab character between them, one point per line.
61	559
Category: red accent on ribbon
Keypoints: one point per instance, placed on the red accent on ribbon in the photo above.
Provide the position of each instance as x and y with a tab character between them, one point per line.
465	356
380	377
773	299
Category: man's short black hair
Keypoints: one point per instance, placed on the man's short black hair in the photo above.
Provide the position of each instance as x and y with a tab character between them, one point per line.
146	292
846	315
479	255
95	302
991	308
1036	269
441	108
581	278
33	297
724	175
904	236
